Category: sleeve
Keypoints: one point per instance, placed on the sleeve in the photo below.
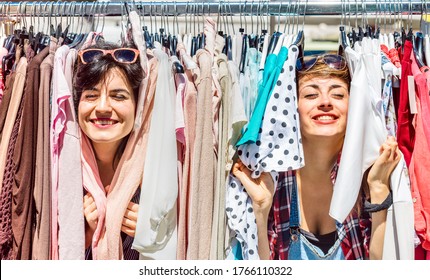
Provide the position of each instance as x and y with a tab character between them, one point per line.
366	230
272	235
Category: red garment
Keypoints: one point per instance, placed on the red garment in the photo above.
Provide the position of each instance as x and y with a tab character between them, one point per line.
419	169
393	54
405	129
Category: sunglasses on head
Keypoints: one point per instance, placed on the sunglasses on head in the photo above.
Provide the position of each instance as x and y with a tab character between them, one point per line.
121	55
333	61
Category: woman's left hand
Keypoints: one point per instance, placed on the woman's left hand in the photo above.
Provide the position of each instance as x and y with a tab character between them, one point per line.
129	220
378	178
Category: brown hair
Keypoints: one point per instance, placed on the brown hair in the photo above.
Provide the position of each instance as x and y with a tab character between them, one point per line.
89	75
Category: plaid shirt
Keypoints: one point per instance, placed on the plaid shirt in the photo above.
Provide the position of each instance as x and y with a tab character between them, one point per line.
354	232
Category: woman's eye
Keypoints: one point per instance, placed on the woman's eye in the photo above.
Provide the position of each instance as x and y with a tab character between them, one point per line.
339	95
90	96
311	95
119	97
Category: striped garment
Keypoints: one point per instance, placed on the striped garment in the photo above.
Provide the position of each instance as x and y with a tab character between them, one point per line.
354	232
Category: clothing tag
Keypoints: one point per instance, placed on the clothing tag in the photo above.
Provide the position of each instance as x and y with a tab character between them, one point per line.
411	91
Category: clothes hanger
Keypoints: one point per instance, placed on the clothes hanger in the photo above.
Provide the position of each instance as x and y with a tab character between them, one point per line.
263	31
418	47
9	60
229	42
99	36
343	37
275	36
300	38
80	37
265	43
245	45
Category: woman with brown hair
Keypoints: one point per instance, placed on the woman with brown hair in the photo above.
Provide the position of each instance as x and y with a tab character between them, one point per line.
292	218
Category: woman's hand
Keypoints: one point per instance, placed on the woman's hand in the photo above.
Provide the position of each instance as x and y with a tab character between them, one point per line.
260	190
129	220
378	178
90	211
91	217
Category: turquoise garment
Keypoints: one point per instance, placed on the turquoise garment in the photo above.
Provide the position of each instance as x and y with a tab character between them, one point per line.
252	71
249	81
236	251
272	69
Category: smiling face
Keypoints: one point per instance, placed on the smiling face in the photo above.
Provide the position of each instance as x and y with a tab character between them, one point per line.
106	112
323	107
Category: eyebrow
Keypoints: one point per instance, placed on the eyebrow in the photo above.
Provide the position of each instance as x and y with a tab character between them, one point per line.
119	90
315	86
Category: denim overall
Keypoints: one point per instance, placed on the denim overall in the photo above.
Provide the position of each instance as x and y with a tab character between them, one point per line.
300	247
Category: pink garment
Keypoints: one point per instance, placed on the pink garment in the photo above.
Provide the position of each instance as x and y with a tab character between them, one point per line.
203	179
210	32
124	182
71	225
60	95
190	114
3	52
419	168
93	185
425	107
180	83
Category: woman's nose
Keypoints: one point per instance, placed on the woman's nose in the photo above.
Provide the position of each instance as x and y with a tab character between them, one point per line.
325	101
104	104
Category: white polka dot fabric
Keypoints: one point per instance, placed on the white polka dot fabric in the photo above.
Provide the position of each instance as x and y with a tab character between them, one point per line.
279	143
278	148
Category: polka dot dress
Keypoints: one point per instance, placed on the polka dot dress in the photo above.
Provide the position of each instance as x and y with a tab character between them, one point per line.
278	148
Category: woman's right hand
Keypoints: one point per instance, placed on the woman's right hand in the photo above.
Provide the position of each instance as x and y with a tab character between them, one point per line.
90	212
260	189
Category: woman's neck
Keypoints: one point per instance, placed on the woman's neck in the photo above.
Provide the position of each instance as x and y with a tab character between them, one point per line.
320	157
105	157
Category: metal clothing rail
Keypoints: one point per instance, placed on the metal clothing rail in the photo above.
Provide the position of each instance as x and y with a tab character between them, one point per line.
303	7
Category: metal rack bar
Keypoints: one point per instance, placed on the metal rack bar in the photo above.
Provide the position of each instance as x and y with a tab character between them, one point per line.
25	8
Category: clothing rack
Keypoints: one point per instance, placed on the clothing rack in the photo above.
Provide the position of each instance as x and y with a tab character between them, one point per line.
247	8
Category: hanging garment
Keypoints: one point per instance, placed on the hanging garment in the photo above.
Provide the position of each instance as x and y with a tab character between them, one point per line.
42	186
17	90
387	96
71	226
202	184
278	148
365	133
3	52
190	114
14	243
60	96
125	183
405	130
238	118
6	101
365	130
155	236
419	168
219	221
23	158
270	78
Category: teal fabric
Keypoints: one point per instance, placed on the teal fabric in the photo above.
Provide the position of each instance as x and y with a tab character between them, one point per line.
252	71
272	69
